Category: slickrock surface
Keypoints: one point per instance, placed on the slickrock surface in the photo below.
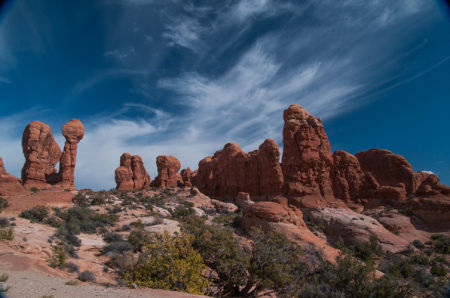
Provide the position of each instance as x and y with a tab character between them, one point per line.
73	131
286	220
41	155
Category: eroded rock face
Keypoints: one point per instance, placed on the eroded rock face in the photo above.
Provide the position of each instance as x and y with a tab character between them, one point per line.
141	178
168	176
131	173
231	171
9	185
73	131
41	155
347	177
307	159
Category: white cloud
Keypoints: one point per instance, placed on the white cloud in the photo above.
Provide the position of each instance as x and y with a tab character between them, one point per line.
248	8
428	172
185	32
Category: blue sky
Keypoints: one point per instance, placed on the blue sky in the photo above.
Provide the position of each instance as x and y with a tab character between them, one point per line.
182	78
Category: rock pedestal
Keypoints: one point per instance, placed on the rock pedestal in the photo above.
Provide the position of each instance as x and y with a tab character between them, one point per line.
73	131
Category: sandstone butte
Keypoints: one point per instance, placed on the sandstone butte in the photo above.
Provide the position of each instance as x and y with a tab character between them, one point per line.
310	176
131	173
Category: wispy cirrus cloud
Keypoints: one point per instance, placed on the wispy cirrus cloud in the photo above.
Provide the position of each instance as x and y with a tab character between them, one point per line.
185	32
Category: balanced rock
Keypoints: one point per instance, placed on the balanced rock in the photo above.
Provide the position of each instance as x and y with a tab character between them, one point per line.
231	171
9	185
73	131
131	173
168	176
307	158
41	155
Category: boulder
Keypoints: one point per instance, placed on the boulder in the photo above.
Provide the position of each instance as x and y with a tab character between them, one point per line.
224	207
41	155
243	200
73	131
9	185
168	176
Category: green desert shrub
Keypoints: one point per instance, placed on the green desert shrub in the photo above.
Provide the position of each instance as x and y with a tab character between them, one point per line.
138	238
35	214
418	244
349	277
58	258
86	276
3	204
81	200
7	233
72	267
441	243
117	247
183	211
437	270
4	222
112	237
169	262
364	250
273	264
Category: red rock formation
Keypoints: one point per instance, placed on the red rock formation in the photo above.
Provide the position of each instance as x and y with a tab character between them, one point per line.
124	174
9	185
141	178
187	175
131	173
41	155
73	131
168	176
231	171
307	158
388	169
347	177
394	180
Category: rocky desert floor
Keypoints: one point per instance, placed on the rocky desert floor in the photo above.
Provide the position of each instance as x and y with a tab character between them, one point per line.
25	259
